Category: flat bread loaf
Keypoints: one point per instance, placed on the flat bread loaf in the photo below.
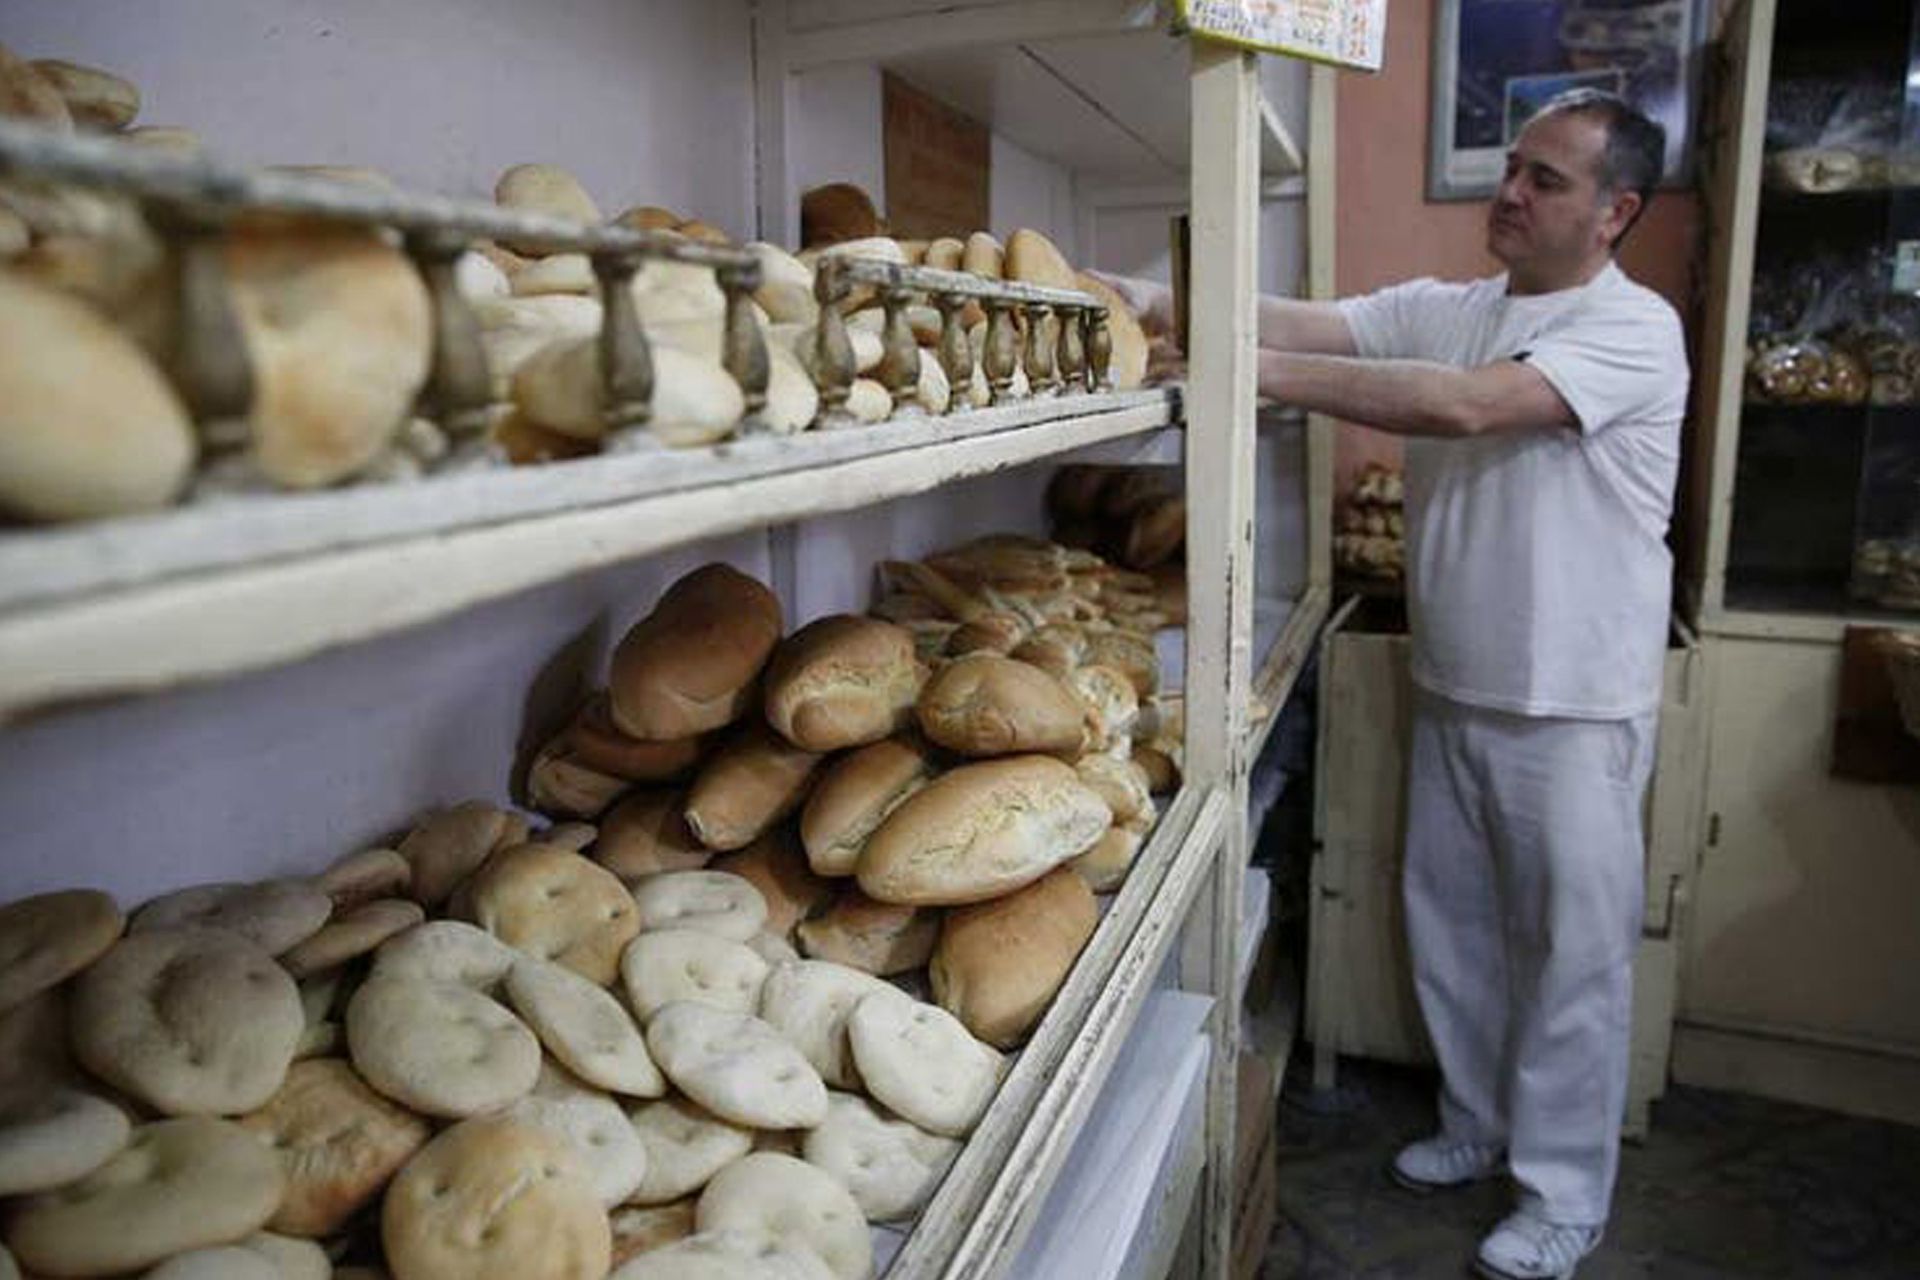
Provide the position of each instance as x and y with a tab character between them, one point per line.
919	1062
438	1047
981	831
56	1135
705	901
809	1002
726	1255
584	1028
493	1198
665	965
446	951
775	865
46	939
592	1124
686	1145
337	1141
553	904
736	1066
1000	963
792	1201
889	1165
272	914
448	846
188	1021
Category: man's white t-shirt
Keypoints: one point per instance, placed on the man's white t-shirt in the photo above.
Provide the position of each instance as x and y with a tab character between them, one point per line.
1538	576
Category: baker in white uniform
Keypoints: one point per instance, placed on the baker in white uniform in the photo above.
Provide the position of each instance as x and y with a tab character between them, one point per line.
1543	411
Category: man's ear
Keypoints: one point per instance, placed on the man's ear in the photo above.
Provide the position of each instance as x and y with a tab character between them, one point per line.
1625	208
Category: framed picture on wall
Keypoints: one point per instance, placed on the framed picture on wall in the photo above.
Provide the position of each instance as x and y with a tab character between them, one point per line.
1496	62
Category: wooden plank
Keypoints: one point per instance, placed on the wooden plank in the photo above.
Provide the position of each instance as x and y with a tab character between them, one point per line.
978	1219
1220	467
251	615
937	165
1733	214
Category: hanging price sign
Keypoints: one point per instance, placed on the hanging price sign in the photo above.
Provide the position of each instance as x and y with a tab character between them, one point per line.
1347	33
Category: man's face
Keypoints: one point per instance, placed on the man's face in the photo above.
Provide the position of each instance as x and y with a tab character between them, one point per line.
1550	213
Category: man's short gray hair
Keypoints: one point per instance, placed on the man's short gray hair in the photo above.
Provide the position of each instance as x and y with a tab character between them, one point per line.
1636	152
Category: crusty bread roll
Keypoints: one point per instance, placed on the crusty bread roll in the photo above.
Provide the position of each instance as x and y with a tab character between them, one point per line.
980	831
646	834
837	212
596	742
88	426
95	99
986	705
997	631
1104	867
1112	706
999	963
692	664
753	781
337	328
775	865
1128	653
1156	534
881	938
648	217
786	286
27	94
1057	648
854	796
1160	766
1033	259
1123	784
945	254
842	681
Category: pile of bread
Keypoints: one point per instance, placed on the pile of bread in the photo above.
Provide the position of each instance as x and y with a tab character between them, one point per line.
337	329
490	1050
1371	541
1133	515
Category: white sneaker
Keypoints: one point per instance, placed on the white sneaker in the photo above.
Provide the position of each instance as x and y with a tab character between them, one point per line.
1525	1247
1434	1164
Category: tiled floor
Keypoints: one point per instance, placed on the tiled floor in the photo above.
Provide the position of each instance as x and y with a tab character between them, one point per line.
1725	1186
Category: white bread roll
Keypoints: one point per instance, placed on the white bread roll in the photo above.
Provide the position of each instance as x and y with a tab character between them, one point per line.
786	286
337	327
854	796
983	256
945	254
692	664
999	963
842	681
88	426
987	705
544	188
981	831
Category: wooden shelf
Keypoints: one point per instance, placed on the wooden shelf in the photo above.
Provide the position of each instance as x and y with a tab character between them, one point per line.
1281	663
144	604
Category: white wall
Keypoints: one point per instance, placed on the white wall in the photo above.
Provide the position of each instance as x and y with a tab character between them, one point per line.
834	134
648	101
1027	191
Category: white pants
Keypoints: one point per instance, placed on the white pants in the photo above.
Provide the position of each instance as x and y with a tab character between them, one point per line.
1525	876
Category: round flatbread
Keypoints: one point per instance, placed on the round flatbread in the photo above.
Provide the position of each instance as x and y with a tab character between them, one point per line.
685	964
920	1062
793	1202
726	1255
46	939
809	1002
223	1262
494	1199
585	1028
449	846
889	1165
273	914
686	1145
54	1135
352	933
736	1066
438	1047
446	951
178	1185
555	905
364	876
772	948
189	1021
291	1259
337	1141
593	1124
707	901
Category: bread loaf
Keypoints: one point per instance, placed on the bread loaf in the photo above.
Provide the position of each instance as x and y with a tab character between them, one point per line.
983	256
648	217
1121	783
27	94
1056	648
881	938
997	631
837	212
1104	867
775	865
692	664
999	963
842	681
945	254
980	831
1132	655
986	705
1111	704
1156	534
596	742
1033	259
544	188
854	795
752	782
786	286
88	426
1128	366
561	786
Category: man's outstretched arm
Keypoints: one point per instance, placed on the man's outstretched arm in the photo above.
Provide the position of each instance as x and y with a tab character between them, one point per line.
1286	324
1417	398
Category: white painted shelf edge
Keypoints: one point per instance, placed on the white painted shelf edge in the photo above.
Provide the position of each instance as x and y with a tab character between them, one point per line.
332	569
1256	899
981	1214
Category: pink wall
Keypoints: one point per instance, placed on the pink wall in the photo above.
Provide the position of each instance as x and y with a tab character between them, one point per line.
1388	232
